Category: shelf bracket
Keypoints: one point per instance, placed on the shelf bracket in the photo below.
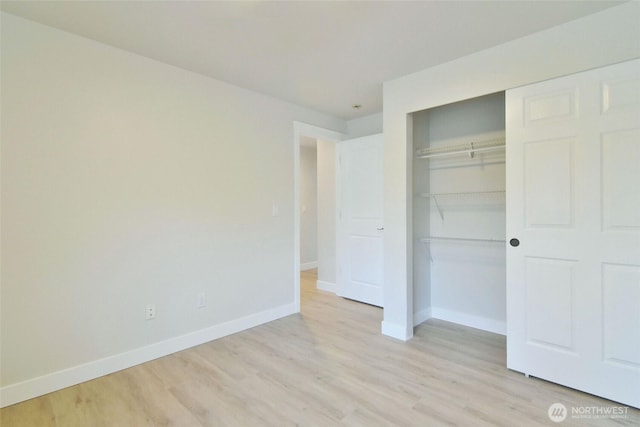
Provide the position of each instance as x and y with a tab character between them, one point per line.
435	200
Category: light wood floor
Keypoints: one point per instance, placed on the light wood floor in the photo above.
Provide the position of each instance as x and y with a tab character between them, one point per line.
327	366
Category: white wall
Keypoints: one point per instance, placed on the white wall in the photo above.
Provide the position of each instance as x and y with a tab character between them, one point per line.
308	208
326	215
604	38
364	126
421	221
125	182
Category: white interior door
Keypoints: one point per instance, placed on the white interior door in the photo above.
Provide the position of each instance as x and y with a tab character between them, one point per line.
359	230
573	202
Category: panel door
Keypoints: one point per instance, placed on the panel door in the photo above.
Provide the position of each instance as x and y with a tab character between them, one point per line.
573	203
359	252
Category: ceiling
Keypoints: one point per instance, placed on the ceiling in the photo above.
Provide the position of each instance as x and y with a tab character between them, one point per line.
326	55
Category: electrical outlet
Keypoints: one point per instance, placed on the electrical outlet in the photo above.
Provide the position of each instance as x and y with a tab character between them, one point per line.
151	312
201	302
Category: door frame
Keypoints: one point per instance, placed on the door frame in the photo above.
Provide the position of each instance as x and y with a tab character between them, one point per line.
301	129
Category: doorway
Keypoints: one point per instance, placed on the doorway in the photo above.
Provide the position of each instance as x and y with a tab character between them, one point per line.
325	143
308	204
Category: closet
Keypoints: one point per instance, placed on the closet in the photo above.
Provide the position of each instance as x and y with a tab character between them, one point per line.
459	213
567	274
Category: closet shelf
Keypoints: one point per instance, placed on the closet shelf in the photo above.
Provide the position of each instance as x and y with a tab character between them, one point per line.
469	148
434	239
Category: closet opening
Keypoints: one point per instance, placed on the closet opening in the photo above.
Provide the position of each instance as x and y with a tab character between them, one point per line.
459	213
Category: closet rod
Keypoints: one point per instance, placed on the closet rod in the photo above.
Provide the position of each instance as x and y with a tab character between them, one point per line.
468	151
470	148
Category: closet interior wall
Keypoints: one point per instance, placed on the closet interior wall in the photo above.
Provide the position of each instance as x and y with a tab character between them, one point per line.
460	197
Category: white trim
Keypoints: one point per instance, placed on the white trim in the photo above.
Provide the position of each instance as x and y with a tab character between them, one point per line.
397	331
483	323
308	265
421	316
299	130
39	386
326	286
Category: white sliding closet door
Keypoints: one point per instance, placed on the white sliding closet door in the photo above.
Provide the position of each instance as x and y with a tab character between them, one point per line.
573	202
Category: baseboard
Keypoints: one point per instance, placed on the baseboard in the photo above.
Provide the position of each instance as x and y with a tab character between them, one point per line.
421	316
397	331
39	386
483	323
308	265
326	286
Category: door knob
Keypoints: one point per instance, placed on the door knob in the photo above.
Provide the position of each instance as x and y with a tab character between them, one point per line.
514	242
380	228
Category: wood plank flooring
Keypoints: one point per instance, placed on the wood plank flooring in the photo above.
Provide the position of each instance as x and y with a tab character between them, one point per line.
328	366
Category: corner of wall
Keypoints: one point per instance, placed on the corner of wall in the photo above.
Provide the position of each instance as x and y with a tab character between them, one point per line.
365	126
400	332
421	316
